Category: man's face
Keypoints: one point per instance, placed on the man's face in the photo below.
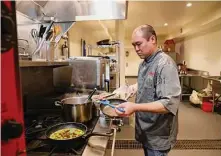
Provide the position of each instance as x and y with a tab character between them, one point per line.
143	47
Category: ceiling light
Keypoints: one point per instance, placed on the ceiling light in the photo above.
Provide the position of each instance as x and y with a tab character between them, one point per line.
165	24
189	4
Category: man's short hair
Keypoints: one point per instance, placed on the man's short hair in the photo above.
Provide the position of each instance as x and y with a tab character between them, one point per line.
147	31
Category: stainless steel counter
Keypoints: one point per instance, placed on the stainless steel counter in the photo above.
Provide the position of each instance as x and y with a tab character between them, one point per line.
189	75
27	63
97	144
215	83
213	78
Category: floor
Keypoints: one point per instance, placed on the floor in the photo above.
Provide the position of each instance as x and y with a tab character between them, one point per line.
172	153
196	124
193	124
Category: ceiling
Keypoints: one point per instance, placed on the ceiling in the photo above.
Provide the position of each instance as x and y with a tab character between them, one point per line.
175	13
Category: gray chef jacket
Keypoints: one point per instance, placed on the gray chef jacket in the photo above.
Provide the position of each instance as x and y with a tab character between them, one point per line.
158	80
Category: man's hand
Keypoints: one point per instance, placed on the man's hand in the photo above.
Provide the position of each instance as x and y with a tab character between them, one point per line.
132	90
129	108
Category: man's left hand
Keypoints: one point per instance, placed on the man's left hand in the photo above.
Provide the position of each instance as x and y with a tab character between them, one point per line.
129	108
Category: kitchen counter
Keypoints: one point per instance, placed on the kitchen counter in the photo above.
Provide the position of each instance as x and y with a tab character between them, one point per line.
97	144
189	75
213	78
27	63
193	72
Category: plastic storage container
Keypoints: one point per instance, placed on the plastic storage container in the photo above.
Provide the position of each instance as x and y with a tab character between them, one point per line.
207	106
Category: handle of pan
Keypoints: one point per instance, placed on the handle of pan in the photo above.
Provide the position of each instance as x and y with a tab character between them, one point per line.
128	96
107	96
58	103
109	134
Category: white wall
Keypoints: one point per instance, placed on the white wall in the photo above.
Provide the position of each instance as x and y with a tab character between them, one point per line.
133	61
202	52
75	36
76	33
23	32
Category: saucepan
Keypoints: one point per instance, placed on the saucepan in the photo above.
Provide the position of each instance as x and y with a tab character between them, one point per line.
108	110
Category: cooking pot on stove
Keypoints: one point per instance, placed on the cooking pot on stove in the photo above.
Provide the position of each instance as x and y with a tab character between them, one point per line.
76	109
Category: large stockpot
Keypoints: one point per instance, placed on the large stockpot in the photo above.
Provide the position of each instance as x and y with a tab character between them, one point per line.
76	109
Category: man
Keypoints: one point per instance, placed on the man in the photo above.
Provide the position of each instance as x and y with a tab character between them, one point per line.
157	95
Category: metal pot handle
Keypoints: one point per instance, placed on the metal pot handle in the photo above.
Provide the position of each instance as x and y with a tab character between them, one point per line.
109	134
58	103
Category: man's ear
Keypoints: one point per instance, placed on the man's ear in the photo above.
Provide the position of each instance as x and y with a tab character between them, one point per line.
153	39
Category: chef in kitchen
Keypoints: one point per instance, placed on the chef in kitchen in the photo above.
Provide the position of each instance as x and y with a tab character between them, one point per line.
157	95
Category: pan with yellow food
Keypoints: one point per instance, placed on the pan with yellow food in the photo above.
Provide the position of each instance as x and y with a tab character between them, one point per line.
66	133
70	134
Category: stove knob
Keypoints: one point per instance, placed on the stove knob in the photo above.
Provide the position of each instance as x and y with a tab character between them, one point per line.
11	130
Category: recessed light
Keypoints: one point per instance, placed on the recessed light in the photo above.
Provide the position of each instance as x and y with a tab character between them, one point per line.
189	4
165	24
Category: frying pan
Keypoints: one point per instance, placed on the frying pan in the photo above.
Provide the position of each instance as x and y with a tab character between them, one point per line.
114	102
72	142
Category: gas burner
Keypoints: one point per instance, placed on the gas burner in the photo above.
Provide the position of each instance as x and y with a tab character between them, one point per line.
40	125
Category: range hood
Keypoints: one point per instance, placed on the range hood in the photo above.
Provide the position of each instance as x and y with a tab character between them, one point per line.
70	11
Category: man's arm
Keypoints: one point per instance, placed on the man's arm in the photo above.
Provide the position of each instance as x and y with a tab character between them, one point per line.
155	107
130	108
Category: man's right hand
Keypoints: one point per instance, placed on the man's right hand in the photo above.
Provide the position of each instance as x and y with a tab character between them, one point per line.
132	90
